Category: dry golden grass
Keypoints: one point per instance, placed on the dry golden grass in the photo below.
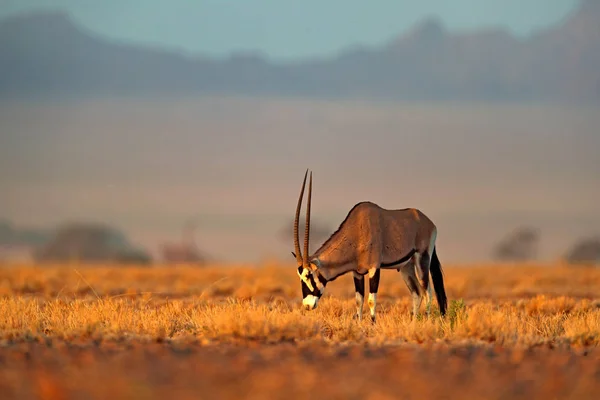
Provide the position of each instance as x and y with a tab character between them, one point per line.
498	316
523	305
494	281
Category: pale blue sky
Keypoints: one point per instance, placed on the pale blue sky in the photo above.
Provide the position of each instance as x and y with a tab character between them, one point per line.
289	29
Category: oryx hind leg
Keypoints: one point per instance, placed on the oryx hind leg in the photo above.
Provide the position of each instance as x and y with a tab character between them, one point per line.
359	288
422	262
412	283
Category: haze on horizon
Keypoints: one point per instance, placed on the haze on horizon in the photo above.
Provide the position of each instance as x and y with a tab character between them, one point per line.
235	168
289	30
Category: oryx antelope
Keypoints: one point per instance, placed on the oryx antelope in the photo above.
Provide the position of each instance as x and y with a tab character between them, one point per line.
370	239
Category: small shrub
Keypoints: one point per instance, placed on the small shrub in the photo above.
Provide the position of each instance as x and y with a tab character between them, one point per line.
457	310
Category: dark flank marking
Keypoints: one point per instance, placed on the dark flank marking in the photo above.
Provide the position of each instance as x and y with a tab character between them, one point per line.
400	261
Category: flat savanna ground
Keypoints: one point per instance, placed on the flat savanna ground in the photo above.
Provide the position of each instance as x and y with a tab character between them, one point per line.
87	332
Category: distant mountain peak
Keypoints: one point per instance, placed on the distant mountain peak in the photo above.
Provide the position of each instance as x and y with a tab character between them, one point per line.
427	31
41	24
48	53
430	28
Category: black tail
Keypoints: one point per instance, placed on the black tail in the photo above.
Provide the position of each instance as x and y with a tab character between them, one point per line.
438	283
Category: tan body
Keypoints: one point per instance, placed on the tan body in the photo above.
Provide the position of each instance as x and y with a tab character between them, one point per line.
369	239
373	237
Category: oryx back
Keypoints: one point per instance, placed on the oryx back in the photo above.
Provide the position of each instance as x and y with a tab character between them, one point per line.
371	235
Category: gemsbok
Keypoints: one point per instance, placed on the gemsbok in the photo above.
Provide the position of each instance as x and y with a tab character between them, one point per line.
370	239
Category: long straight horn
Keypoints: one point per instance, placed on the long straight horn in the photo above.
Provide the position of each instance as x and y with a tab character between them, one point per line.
307	225
296	220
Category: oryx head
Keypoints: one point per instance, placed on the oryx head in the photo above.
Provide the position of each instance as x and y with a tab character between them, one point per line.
313	284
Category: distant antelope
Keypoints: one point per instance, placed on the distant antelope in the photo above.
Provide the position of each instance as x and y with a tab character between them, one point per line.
372	238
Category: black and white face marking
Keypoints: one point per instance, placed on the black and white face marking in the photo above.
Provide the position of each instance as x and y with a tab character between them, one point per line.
312	289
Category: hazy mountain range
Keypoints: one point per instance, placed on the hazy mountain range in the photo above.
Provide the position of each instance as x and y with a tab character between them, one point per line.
11	235
47	54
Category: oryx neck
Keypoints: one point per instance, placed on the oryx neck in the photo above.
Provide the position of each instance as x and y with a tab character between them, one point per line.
330	271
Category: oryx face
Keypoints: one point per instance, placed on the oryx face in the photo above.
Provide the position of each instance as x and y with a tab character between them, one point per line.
311	289
312	285
312	282
310	293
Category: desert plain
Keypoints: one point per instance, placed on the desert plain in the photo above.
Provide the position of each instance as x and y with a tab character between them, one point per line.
512	331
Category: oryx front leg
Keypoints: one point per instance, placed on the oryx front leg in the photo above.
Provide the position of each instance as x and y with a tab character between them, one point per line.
374	274
411	281
359	288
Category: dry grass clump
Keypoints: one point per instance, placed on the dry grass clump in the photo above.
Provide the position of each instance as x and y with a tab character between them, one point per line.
483	282
233	320
245	304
